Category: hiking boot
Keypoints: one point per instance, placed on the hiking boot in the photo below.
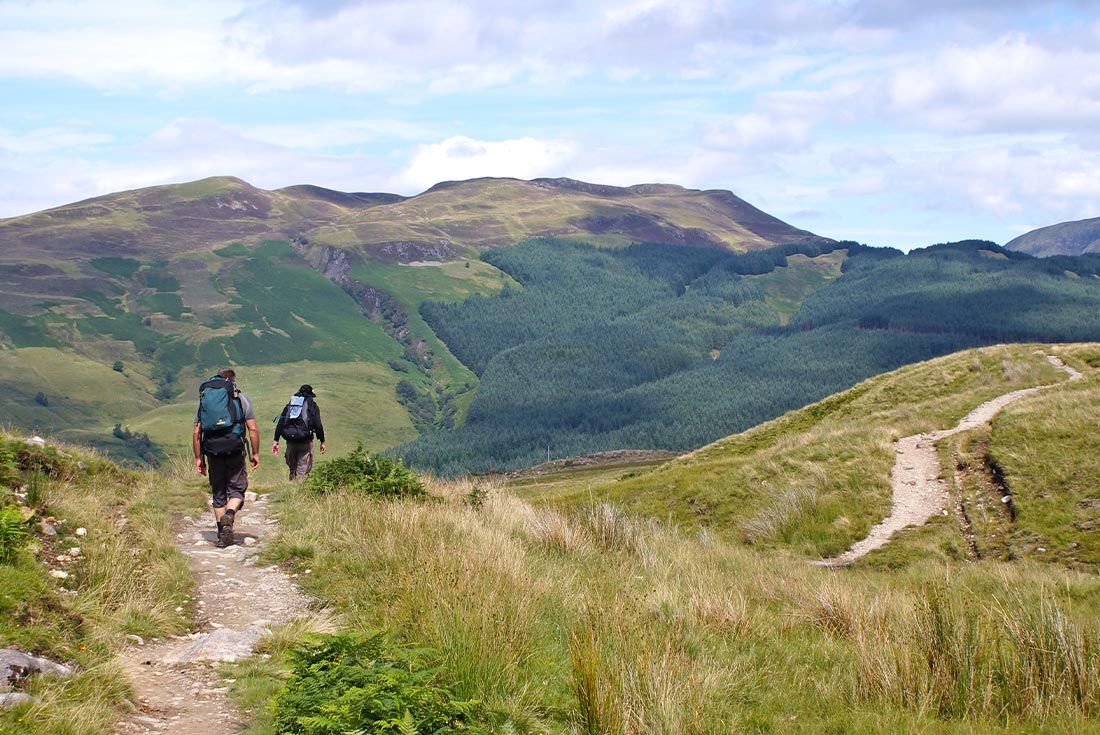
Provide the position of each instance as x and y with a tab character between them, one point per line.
225	531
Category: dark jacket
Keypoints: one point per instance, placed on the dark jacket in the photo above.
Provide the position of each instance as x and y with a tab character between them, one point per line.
314	421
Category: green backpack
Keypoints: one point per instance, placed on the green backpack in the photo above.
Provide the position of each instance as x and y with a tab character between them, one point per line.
221	417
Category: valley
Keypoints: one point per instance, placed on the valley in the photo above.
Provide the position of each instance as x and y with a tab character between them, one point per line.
494	356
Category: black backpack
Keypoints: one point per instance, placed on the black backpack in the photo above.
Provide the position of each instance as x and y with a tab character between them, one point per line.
296	425
220	417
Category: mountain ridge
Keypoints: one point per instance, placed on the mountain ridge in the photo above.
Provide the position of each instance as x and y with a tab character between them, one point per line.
1064	238
236	209
655	318
164	283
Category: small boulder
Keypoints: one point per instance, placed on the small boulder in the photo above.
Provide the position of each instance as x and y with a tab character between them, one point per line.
16	666
8	700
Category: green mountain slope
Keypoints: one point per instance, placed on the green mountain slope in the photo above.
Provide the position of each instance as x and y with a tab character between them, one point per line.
816	479
657	347
448	220
1064	238
148	291
685	594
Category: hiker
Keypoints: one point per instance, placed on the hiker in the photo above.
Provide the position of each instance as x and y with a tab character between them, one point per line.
300	420
219	445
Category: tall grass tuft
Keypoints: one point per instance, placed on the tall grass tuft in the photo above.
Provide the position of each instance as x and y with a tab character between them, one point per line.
611	529
960	660
131	577
36	490
833	608
86	702
629	679
779	515
1056	661
595	686
721	610
556	532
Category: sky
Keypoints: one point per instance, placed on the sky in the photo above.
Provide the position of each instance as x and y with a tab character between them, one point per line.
888	122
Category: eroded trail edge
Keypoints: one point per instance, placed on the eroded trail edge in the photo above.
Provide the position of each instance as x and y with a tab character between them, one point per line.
919	491
177	688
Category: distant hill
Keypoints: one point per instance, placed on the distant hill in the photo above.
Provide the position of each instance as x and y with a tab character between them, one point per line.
656	347
1066	238
113	307
450	219
440	326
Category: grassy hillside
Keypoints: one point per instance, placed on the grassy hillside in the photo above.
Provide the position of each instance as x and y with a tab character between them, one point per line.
447	220
664	347
576	603
816	479
72	595
681	598
164	285
142	343
499	212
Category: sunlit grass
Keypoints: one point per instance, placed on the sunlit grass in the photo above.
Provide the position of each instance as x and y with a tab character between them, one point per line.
113	571
571	622
593	617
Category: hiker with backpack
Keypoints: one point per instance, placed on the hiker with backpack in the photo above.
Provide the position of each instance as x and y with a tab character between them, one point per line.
219	444
299	422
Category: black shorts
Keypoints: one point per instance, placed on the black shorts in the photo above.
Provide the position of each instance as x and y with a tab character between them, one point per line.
228	478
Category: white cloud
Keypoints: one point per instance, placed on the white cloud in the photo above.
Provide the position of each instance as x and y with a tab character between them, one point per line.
116	45
758	132
1012	84
461	158
964	109
183	150
328	135
49	139
197	148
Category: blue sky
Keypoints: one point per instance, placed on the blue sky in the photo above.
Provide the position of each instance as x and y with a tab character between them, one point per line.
889	122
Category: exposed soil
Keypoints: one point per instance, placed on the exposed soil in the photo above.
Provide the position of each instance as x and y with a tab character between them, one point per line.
597	459
176	685
919	490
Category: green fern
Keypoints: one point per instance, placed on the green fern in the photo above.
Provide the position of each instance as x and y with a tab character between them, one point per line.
362	472
13	533
406	725
364	684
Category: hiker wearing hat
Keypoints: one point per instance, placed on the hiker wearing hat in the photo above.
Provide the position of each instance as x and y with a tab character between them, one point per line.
299	422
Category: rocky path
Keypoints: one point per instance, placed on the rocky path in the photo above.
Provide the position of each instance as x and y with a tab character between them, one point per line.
919	491
176	684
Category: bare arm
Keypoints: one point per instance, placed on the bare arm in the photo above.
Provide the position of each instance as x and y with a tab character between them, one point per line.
254	441
196	446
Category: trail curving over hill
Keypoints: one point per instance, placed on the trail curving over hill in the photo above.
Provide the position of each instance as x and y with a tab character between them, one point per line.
176	684
918	490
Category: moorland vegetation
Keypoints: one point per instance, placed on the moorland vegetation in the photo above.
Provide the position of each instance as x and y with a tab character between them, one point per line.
678	597
666	347
430	332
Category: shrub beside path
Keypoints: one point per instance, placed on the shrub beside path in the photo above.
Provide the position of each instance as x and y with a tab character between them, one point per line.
177	688
919	491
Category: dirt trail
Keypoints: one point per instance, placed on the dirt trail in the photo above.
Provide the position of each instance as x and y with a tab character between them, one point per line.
919	491
176	684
